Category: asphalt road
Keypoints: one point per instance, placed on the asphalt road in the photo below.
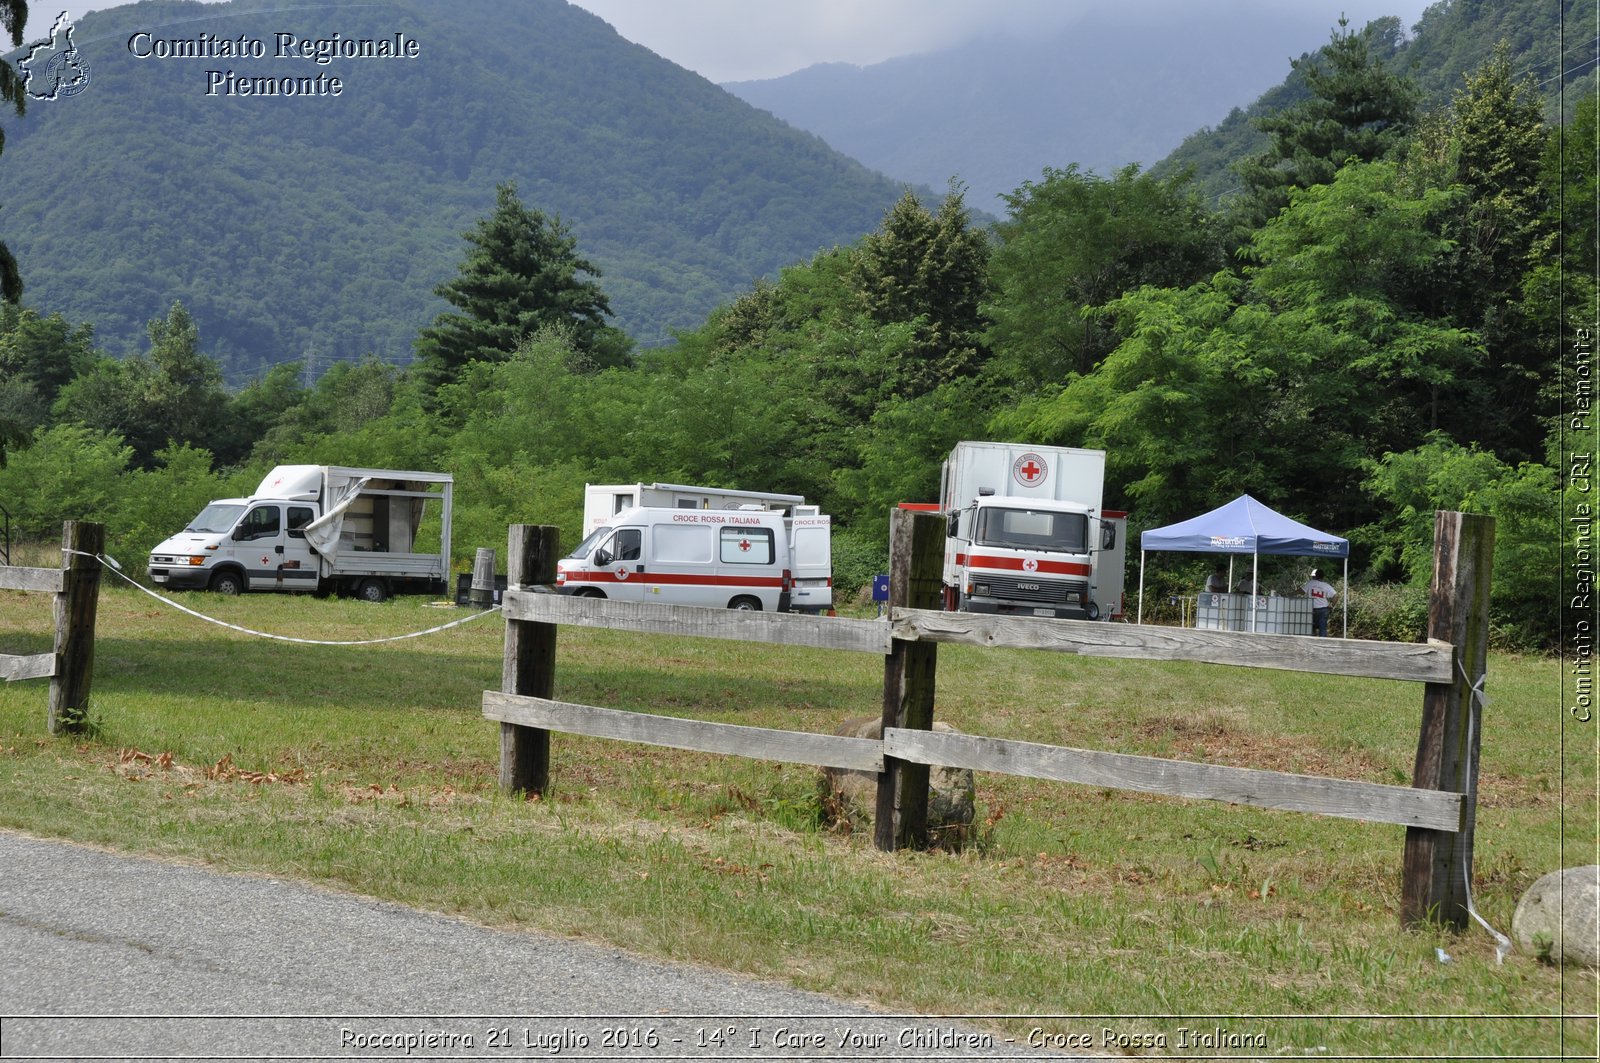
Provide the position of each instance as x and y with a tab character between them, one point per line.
105	956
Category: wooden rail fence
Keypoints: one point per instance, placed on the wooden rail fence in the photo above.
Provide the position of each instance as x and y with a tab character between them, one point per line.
76	586
1437	810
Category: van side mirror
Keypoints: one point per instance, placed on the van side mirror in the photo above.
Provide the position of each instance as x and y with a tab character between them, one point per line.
1108	535
602	557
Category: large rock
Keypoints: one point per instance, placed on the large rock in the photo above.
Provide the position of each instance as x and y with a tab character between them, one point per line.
951	793
1559	917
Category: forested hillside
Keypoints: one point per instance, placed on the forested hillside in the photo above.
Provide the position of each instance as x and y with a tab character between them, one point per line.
322	224
1452	38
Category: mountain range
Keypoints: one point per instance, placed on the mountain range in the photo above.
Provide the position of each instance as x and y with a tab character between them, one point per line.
1106	92
315	226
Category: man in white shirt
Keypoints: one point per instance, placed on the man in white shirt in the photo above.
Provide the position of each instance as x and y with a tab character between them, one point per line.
1322	596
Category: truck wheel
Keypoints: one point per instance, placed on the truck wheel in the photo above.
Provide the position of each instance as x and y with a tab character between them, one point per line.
372	590
745	604
1093	612
229	583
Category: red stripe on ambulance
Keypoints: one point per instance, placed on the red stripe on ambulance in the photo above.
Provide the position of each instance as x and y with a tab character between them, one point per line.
1018	564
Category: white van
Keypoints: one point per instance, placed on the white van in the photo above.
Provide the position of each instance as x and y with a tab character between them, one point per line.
735	559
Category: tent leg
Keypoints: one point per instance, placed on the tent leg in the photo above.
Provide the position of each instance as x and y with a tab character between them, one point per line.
1255	587
1344	596
1138	617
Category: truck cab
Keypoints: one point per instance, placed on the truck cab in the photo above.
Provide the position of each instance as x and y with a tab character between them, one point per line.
241	544
1022	555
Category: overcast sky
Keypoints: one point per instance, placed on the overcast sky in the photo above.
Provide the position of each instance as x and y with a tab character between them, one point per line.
738	40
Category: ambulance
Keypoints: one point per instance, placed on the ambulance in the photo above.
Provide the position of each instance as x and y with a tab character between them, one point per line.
731	558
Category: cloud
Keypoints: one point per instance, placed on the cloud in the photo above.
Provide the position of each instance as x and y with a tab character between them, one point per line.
736	40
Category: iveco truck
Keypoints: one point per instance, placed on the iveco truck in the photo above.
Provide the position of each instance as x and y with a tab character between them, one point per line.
1026	533
318	529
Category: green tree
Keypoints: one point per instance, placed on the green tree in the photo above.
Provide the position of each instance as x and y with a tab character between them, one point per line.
38	355
1489	144
172	394
43	353
1276	381
930	270
1074	241
14	423
13	17
521	273
1442	474
1358	109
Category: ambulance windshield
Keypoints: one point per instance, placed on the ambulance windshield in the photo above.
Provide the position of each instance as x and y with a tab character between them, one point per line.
1032	529
584	548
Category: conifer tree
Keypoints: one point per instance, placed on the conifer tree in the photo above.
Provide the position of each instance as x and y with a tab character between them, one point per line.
1357	109
522	273
928	269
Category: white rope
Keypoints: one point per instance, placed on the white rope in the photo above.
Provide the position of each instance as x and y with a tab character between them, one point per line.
1502	944
112	565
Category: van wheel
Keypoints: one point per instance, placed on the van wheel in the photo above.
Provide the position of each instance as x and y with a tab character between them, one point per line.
372	590
229	583
589	592
745	604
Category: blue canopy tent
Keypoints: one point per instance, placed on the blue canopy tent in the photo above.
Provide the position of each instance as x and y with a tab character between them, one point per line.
1245	526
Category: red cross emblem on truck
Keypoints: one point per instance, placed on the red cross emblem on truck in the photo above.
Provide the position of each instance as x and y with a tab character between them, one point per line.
744	544
1030	470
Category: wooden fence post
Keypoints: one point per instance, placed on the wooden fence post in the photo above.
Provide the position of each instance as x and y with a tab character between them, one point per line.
75	615
1438	864
916	565
530	660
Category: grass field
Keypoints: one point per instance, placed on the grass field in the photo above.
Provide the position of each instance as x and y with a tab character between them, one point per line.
371	769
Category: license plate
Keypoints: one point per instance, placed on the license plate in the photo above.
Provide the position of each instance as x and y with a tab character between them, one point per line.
1044	612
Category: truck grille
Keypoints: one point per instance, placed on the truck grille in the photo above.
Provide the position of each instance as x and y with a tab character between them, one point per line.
1042	591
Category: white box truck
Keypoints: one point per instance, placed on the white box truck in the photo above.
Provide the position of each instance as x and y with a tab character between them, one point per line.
1026	533
316	528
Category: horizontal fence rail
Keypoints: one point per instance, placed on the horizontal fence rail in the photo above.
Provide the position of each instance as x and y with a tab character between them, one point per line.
786	629
1428	662
45	580
1372	802
37	666
1417	662
758	743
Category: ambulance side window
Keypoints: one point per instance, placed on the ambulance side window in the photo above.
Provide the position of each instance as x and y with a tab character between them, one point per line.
627	544
746	546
